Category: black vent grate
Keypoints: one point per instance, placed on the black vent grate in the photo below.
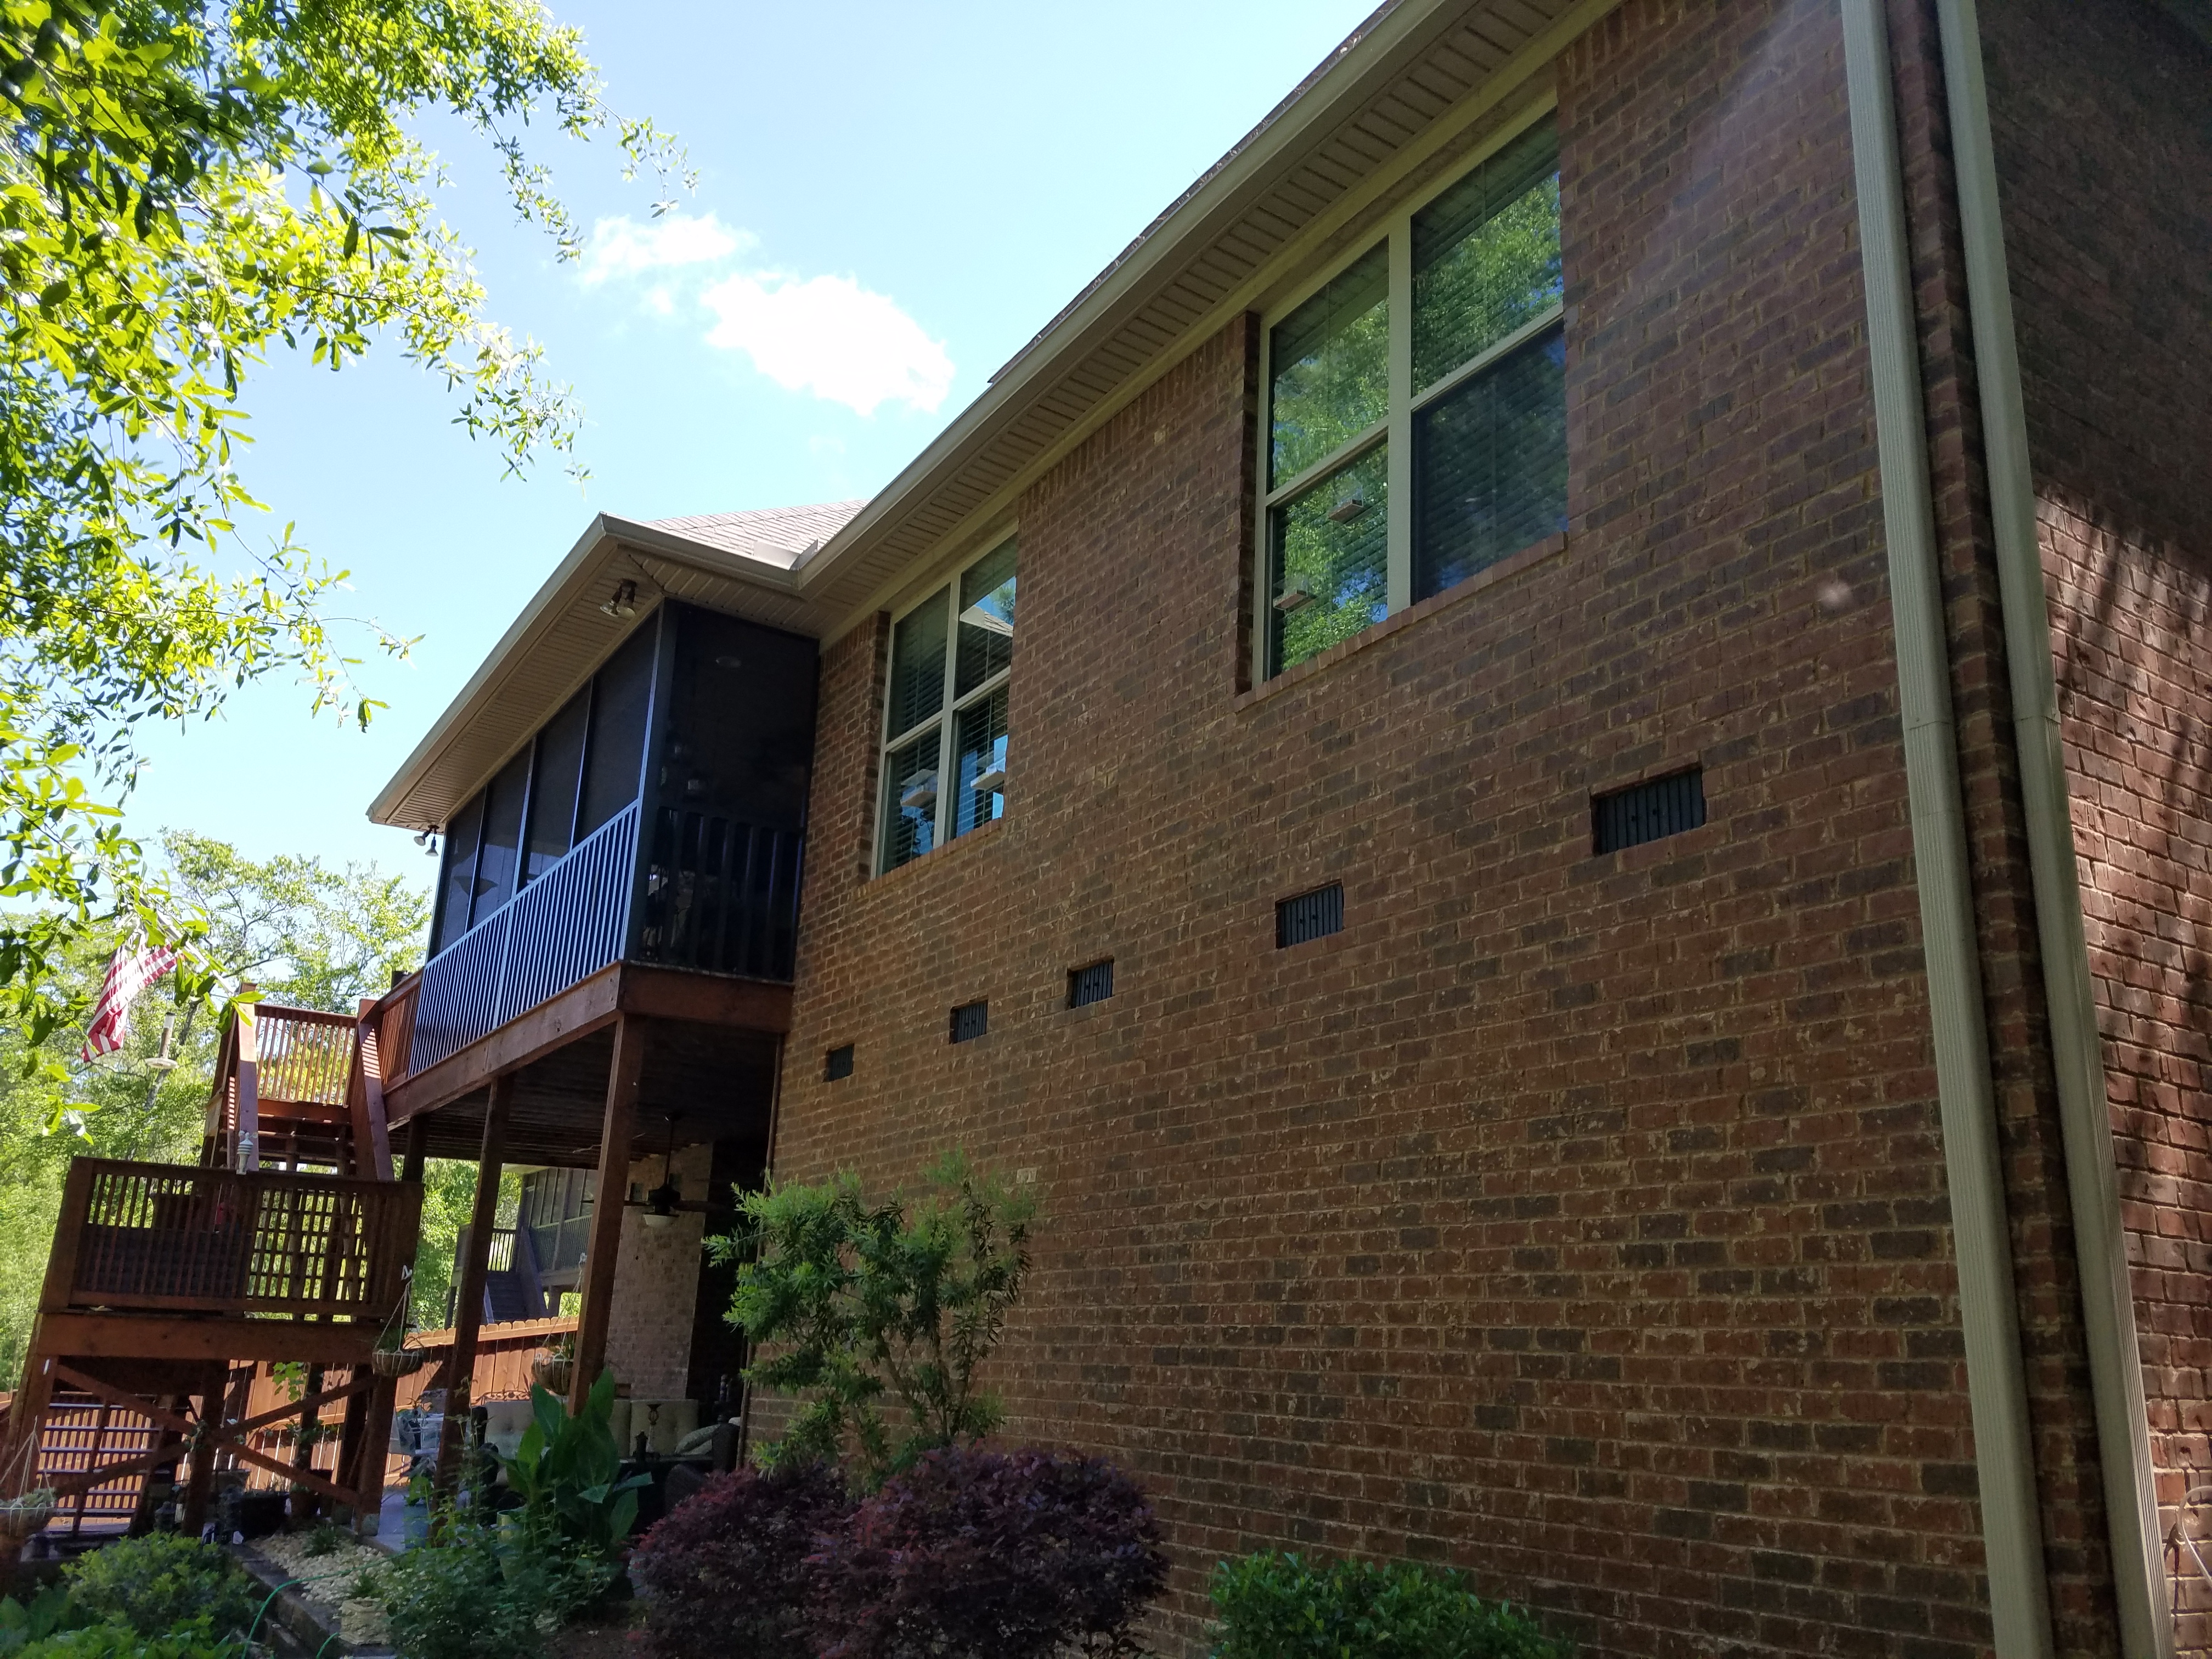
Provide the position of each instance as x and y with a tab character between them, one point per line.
970	1020
1310	916
837	1064
1648	812
1088	985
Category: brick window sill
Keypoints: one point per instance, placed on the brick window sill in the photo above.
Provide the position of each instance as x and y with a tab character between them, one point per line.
1512	565
937	856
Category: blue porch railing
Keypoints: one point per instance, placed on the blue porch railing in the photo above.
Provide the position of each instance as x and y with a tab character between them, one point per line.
569	923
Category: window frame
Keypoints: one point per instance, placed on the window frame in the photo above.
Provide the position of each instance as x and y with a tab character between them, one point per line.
1405	401
951	706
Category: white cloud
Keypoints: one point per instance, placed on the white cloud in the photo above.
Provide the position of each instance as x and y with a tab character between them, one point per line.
829	336
621	247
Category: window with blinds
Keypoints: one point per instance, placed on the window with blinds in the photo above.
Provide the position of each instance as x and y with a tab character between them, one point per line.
945	722
1406	452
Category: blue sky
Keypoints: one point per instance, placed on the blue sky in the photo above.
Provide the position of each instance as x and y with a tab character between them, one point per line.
892	199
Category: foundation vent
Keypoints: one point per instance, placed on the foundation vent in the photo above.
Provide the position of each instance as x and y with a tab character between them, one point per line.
1088	985
837	1064
1648	812
1310	916
970	1020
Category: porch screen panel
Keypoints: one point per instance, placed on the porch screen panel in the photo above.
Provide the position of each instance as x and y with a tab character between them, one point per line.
503	836
622	696
553	790
455	890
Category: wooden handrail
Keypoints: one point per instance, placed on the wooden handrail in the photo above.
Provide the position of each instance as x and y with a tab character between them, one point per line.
162	1237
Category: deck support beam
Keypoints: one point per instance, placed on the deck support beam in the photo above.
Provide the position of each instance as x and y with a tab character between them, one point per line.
631	1035
468	1302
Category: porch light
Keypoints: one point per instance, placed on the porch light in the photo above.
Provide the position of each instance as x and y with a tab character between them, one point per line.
660	1203
623	602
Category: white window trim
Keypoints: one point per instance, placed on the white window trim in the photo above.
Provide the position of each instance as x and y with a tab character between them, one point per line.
949	710
1396	426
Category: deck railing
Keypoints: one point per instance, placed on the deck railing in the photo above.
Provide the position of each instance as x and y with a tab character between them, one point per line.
568	924
721	897
305	1056
161	1235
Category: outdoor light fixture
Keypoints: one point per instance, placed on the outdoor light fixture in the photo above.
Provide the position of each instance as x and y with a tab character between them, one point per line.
428	840
624	603
660	1203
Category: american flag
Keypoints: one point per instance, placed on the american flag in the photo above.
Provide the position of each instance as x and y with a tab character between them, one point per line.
130	971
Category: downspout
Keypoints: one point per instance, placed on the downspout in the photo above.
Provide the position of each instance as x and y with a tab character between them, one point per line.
2020	1610
2077	1054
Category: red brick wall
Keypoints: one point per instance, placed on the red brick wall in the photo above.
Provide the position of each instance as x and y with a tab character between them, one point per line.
2103	120
1579	1221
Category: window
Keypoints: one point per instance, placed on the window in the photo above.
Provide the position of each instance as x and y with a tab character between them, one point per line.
1088	985
970	1020
1417	409
945	727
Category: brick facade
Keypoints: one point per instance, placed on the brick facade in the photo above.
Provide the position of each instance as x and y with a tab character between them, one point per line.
1577	1220
2103	122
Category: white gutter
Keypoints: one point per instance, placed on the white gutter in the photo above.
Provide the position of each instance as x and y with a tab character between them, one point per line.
2012	1537
2077	1054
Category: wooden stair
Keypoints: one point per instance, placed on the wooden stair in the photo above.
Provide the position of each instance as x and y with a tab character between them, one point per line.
288	1242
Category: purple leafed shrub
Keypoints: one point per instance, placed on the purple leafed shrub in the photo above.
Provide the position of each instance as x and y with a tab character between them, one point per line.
991	1555
727	1572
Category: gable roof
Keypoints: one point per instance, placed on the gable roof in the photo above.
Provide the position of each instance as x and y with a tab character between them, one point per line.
1371	112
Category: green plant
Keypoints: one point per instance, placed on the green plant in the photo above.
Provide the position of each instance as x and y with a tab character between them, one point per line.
568	1471
324	1538
900	1301
154	1583
1285	1607
50	1613
469	1594
195	1640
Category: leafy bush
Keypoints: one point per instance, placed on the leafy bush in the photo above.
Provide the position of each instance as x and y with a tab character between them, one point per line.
860	1305
160	1581
992	1555
1284	1606
727	1570
50	1613
193	1641
567	1471
464	1595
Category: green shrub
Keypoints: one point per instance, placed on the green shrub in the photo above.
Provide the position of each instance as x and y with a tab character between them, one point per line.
468	1594
50	1613
1284	1606
159	1581
193	1641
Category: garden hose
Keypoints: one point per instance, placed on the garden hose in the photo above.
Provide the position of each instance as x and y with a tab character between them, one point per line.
253	1629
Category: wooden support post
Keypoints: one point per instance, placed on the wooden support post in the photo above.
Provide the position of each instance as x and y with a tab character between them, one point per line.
303	1442
249	1084
417	1147
200	1486
372	1143
631	1035
372	1456
468	1303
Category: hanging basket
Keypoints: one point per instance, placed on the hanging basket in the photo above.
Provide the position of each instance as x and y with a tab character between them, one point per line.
398	1362
551	1371
21	1517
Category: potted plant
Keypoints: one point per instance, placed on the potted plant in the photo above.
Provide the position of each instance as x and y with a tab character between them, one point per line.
554	1368
391	1357
25	1513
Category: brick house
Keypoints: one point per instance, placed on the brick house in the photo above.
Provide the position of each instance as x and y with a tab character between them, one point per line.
1586	898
